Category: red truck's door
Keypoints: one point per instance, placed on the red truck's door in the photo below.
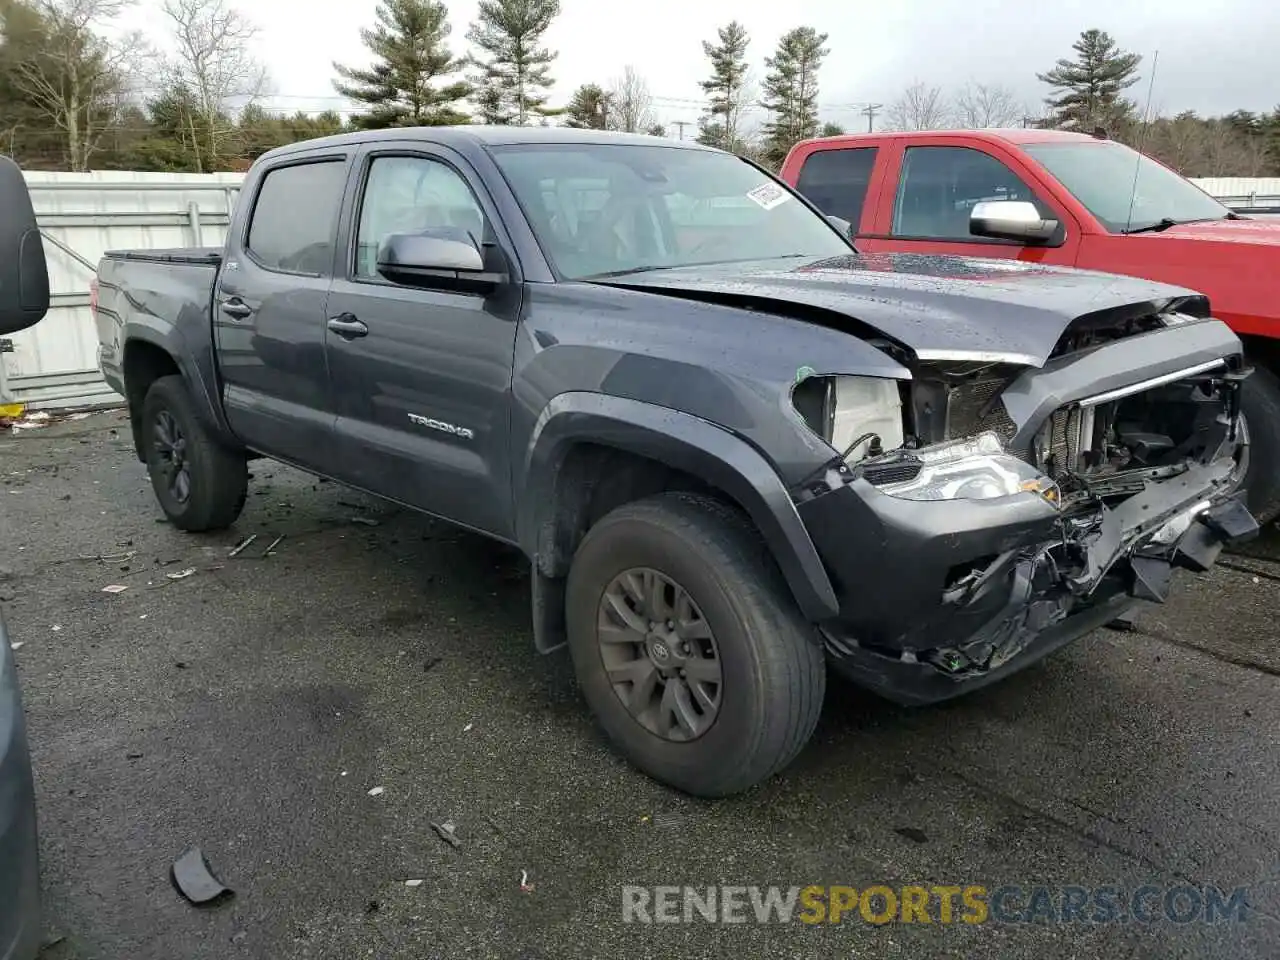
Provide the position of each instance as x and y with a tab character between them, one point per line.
930	186
844	183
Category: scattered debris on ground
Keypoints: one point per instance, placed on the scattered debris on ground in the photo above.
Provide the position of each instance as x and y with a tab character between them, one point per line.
447	831
115	588
376	792
181	574
240	547
194	878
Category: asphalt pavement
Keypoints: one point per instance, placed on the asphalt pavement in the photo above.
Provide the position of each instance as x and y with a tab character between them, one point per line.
255	707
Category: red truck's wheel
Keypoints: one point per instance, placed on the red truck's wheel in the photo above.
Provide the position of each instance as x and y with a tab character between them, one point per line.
200	484
689	647
1260	407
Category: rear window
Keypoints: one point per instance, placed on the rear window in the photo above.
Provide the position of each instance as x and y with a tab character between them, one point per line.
836	181
295	218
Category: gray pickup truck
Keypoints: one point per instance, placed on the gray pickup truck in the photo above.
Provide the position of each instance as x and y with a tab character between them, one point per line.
734	450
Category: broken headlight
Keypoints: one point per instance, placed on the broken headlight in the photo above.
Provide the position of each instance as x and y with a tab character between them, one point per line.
976	468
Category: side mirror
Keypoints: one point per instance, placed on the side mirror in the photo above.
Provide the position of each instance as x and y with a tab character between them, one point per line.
1011	220
445	257
844	226
24	277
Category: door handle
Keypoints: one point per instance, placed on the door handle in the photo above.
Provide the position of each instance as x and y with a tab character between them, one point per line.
237	308
347	326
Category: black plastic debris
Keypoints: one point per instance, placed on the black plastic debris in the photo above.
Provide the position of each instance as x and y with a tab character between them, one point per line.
914	834
195	880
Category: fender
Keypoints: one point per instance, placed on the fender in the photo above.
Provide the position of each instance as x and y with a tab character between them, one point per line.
683	442
196	365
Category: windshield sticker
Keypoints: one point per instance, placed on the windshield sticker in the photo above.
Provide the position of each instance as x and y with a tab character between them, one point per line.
768	195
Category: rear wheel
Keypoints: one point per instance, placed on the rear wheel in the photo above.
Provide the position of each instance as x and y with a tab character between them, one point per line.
1259	472
688	646
200	484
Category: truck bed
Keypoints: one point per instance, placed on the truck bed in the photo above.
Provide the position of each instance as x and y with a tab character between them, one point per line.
210	256
167	293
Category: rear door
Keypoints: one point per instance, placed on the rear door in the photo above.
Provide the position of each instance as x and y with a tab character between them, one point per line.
269	312
422	391
931	187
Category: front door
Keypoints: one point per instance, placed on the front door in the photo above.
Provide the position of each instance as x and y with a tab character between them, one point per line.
269	314
937	187
421	378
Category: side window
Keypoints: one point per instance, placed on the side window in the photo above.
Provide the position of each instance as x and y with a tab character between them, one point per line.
412	195
295	217
836	181
939	186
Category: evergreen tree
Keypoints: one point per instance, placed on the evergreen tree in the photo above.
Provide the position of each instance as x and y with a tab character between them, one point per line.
831	130
515	70
791	91
1088	88
588	108
725	88
411	56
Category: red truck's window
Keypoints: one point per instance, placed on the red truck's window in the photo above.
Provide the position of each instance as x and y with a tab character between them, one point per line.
296	216
940	185
836	181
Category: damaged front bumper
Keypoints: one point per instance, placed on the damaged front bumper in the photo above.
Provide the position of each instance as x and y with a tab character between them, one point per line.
940	598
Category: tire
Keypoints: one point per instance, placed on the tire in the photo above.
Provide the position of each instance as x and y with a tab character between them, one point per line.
217	478
1260	407
771	665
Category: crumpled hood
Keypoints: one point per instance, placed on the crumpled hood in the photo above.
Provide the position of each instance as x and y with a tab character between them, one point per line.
937	307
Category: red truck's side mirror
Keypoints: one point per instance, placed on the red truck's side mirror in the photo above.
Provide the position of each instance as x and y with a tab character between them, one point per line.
24	276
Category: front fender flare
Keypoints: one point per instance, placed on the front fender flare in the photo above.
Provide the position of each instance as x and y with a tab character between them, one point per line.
683	442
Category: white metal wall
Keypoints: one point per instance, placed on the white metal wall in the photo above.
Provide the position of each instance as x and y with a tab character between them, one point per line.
54	364
1242	191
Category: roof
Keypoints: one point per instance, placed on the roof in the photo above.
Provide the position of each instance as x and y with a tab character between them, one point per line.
1013	135
479	136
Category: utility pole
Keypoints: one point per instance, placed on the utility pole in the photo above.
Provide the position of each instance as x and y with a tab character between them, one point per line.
681	124
870	111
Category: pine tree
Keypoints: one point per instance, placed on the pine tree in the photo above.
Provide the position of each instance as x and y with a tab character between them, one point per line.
726	88
411	52
791	91
514	68
1089	87
588	108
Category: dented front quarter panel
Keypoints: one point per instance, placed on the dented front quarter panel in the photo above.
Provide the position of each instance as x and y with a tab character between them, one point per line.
731	367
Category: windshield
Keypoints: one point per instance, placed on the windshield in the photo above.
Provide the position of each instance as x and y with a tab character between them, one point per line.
1101	176
610	209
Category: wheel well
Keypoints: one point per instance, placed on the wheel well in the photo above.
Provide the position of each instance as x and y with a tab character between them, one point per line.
144	364
1262	351
594	479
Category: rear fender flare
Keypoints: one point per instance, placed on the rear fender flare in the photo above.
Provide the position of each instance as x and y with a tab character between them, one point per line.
683	442
203	389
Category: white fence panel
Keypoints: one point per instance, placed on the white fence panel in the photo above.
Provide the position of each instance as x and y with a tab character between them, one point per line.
81	215
1242	191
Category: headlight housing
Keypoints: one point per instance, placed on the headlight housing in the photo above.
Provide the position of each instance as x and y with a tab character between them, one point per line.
976	468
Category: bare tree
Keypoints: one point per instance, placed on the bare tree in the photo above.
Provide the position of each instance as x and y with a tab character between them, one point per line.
630	104
988	105
920	107
81	80
215	68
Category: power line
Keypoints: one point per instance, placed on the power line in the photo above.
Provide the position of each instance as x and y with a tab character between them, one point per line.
870	111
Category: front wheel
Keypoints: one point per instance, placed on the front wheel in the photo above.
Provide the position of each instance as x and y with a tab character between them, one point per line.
200	484
1259	473
688	645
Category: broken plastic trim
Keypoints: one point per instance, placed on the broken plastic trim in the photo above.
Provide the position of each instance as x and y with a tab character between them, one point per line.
194	879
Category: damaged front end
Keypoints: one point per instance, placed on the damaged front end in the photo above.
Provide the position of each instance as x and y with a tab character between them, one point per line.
1017	508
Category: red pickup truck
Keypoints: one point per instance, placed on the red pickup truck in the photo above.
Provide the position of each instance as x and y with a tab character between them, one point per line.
1066	199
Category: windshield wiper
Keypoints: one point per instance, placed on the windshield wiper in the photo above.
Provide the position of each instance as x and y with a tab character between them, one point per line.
1164	223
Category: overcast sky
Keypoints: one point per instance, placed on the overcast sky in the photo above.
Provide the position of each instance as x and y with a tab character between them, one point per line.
1214	55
